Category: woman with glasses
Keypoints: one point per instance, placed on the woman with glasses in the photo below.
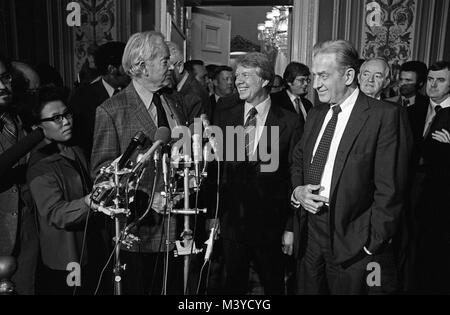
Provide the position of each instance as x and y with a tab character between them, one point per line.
60	184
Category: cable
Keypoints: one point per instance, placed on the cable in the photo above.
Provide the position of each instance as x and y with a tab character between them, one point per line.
193	237
106	265
200	278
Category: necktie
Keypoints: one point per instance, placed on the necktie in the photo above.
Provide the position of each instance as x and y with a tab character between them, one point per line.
250	129
437	108
318	164
405	102
161	113
116	91
8	127
298	108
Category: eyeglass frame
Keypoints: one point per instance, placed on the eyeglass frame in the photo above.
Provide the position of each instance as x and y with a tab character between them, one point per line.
58	119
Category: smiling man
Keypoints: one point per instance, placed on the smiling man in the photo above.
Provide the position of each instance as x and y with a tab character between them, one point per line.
254	204
346	183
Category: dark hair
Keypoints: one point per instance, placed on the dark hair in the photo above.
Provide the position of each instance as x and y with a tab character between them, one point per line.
211	69
220	69
189	65
262	63
49	75
282	82
108	54
418	67
295	69
46	95
6	62
440	65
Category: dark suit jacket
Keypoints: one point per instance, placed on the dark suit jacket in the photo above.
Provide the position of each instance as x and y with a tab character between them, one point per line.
417	114
118	119
84	103
366	193
195	98
16	206
282	99
437	182
58	190
254	204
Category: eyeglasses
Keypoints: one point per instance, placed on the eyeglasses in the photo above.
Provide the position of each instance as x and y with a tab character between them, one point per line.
6	78
303	80
59	118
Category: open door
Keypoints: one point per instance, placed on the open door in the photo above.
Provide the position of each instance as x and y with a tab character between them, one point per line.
210	36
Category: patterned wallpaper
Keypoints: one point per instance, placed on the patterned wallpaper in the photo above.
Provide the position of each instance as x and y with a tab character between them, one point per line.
389	30
98	26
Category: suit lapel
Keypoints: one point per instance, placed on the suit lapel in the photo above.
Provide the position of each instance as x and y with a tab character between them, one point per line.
139	110
357	119
317	125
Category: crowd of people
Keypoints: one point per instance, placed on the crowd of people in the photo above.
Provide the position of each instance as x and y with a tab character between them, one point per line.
360	180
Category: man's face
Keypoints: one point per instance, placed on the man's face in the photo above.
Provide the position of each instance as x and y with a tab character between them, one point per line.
158	70
175	69
224	83
250	85
438	85
373	78
5	86
408	83
330	81
201	75
299	86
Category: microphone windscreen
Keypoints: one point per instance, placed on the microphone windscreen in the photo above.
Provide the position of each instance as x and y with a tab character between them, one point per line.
163	134
140	137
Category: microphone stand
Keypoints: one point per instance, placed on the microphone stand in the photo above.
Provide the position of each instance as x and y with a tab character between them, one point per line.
118	267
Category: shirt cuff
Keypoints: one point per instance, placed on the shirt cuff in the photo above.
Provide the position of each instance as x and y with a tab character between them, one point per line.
367	251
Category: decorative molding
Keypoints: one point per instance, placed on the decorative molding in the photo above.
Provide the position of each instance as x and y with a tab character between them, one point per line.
429	37
336	10
305	29
444	29
348	19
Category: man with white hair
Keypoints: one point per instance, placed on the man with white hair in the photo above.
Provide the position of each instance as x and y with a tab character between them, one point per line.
139	107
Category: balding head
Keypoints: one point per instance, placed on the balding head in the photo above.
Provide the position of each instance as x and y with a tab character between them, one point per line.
374	77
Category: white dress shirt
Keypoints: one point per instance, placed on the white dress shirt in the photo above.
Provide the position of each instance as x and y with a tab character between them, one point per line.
263	110
302	107
431	113
147	98
347	108
182	82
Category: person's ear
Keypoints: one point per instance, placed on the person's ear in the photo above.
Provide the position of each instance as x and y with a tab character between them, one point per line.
265	83
386	83
181	67
349	76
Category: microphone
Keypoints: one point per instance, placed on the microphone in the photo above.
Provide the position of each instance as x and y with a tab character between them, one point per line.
162	137
138	139
165	167
206	126
11	156
210	243
197	152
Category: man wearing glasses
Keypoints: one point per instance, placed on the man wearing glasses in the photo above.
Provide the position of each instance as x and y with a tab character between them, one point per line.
297	78
18	235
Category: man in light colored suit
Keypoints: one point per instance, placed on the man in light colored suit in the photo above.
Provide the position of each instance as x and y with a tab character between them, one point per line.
139	107
347	191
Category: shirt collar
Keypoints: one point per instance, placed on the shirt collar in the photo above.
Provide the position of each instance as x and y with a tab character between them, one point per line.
108	88
145	95
292	96
262	107
182	82
217	97
444	104
350	101
411	100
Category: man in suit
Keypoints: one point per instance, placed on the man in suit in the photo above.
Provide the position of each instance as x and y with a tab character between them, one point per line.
254	204
433	209
198	70
347	191
18	231
195	97
140	107
86	99
223	86
293	99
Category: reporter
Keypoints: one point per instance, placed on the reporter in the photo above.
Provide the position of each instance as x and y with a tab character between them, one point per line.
60	184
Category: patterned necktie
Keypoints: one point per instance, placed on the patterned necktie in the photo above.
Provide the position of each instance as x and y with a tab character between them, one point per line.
161	113
8	127
318	164
405	102
250	129
437	108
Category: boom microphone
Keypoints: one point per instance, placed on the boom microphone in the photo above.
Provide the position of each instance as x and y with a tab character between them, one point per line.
138	139
162	137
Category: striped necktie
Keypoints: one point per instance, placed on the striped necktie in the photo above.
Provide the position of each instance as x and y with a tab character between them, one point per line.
8	127
250	129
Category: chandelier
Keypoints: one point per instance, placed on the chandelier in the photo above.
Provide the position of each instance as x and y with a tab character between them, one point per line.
274	32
